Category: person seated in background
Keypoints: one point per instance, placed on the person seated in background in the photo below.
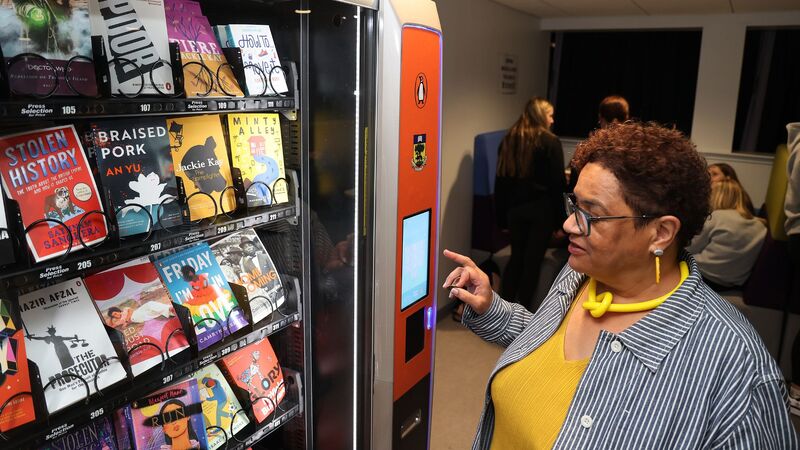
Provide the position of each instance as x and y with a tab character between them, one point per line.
721	171
612	110
728	245
528	194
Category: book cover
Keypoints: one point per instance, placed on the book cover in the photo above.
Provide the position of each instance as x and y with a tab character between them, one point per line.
258	48
170	418
219	405
14	374
257	151
63	334
56	30
135	168
245	261
95	435
135	30
193	33
256	369
122	428
196	282
200	158
6	241
131	298
47	173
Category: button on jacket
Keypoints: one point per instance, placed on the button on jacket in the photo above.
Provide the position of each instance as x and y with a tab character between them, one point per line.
692	374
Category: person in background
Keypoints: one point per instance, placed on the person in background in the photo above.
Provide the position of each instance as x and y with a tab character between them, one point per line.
630	349
731	239
792	226
528	196
721	171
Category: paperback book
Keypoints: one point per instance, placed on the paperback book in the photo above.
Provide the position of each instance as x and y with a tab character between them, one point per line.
200	158
245	261
170	418
63	336
6	241
135	31
47	174
206	72
15	379
219	405
131	299
56	31
196	282
257	151
95	435
135	168
256	369
258	49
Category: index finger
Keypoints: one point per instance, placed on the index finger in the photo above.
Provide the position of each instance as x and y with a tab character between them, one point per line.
459	259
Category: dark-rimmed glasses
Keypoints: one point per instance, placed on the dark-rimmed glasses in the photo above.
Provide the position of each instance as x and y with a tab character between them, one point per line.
584	219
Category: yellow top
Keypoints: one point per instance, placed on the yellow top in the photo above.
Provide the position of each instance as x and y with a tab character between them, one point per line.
531	397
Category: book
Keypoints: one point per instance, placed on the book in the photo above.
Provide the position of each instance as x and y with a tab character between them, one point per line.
55	30
196	282
256	369
15	376
257	151
245	261
47	174
64	335
131	299
169	418
135	168
258	48
219	405
6	240
98	434
200	158
199	48
135	30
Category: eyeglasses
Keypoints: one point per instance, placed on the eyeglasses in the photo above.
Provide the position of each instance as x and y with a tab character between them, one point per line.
584	219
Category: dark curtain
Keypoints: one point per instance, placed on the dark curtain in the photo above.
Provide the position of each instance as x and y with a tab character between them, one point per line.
656	71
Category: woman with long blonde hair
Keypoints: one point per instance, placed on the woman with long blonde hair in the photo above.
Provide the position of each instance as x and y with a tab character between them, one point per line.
528	196
728	245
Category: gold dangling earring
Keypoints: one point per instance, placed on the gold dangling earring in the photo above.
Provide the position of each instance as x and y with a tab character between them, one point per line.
658	252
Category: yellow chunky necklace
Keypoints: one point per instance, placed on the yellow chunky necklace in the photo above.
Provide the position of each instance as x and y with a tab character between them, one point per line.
599	305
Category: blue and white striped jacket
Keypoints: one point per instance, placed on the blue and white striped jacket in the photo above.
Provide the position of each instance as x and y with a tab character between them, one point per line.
692	374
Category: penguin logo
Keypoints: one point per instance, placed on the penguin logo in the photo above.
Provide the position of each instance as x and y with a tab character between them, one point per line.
421	90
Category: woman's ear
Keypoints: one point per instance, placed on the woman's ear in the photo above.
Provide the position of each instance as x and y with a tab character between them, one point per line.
665	231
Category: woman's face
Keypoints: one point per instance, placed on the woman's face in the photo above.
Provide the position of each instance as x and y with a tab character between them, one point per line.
613	247
716	174
549	115
176	427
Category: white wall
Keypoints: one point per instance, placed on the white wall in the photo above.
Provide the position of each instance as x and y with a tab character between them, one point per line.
476	34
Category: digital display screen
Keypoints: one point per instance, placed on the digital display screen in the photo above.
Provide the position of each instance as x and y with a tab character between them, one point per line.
416	250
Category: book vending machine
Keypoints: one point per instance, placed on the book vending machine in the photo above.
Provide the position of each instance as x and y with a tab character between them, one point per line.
218	223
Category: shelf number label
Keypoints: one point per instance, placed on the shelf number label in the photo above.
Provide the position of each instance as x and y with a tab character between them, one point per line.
225	351
222	105
83	265
69	110
145	107
273	216
167	379
96	413
155	247
222	229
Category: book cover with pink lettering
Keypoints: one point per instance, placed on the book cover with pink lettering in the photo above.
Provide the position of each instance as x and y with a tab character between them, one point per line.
205	69
47	174
131	299
196	282
169	418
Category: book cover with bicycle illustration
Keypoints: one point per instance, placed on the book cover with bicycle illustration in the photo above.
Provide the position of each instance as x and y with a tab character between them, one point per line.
196	282
257	151
46	172
64	336
135	168
220	405
131	299
135	36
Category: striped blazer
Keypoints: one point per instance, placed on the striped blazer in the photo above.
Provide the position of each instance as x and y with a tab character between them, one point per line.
692	374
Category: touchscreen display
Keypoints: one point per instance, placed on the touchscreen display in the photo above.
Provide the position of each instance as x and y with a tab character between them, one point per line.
416	250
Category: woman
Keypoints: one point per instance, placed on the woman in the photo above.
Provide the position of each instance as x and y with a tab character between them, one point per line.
612	110
528	189
630	349
728	245
724	172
